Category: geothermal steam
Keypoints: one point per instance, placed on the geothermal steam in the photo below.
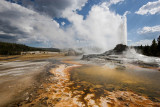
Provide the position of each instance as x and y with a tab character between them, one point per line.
102	28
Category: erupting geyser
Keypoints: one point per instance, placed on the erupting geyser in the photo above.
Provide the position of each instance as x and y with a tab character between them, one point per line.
123	31
112	30
103	29
124	34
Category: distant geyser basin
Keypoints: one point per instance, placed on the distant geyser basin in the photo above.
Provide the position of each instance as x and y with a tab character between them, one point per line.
142	81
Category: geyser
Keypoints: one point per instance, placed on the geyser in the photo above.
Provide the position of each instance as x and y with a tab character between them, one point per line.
102	28
124	31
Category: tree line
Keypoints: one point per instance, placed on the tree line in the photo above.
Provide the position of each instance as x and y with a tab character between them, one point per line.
16	49
151	50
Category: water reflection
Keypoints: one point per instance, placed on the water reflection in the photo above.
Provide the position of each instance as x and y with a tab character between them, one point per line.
140	80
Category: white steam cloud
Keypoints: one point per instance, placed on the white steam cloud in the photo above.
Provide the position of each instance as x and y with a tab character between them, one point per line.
102	28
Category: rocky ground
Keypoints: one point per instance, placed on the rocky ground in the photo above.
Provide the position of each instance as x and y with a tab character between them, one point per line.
122	55
20	75
18	78
58	91
42	83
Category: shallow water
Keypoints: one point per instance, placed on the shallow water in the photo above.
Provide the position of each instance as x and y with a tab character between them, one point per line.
142	81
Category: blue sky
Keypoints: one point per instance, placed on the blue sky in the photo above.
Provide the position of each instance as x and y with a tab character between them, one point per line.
134	21
78	23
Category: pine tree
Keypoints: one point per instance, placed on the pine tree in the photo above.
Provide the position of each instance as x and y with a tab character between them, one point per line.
153	48
158	40
158	47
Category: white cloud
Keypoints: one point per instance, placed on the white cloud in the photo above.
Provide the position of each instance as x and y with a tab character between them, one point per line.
63	23
148	29
150	8
33	27
115	1
102	28
129	40
142	42
53	8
